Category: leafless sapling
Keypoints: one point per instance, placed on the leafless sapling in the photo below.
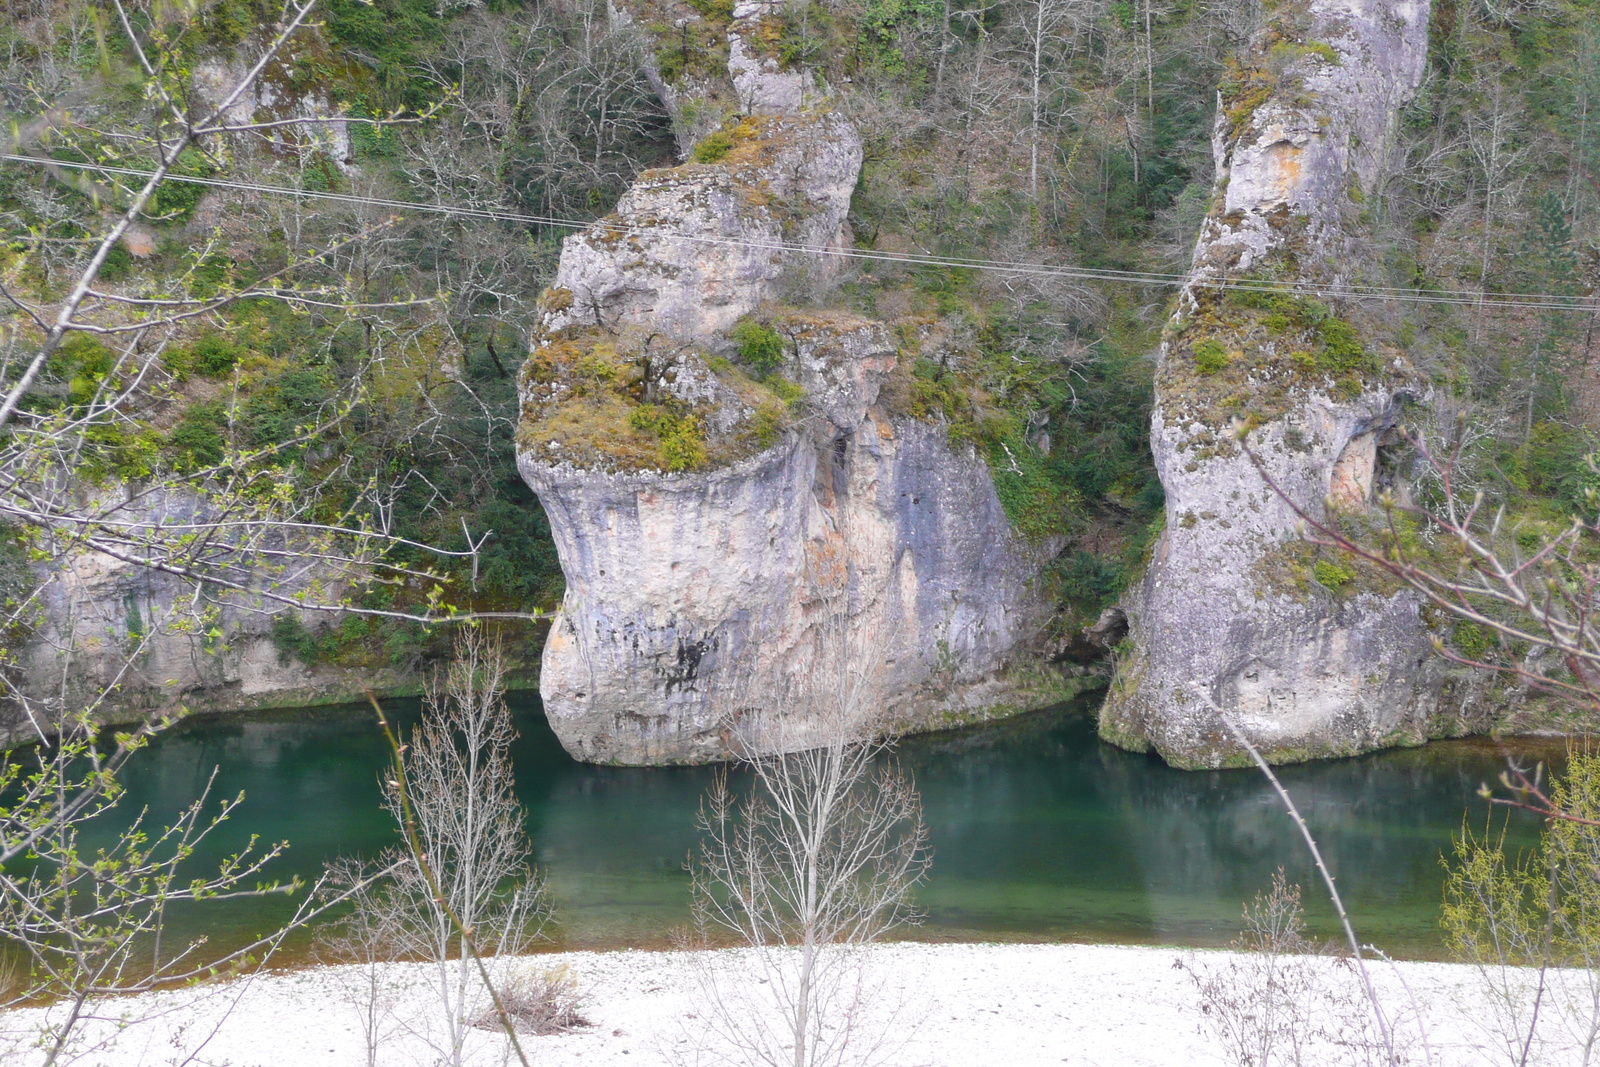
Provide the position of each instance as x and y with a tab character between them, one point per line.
465	895
811	858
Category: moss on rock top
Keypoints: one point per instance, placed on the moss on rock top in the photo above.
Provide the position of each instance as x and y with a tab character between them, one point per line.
626	401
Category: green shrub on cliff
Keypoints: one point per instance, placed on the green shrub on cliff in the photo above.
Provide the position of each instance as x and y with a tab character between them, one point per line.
1472	640
759	345
211	356
649	418
197	441
1036	503
715	146
1210	356
804	32
1556	461
684	448
715	10
1342	350
785	390
1320	342
1089	580
293	399
768	423
175	201
1332	575
681	438
81	362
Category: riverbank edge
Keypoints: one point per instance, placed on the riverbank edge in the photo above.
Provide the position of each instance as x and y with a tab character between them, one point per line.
1541	724
957	1004
230	703
1040	690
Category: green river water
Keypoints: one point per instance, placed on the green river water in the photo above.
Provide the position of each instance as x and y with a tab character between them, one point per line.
1039	831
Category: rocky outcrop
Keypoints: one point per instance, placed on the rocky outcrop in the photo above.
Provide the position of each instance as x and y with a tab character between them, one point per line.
691	597
700	100
305	113
124	641
740	533
1308	656
763	87
691	249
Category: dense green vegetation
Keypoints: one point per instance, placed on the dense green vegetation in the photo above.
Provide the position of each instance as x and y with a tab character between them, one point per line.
1500	190
377	399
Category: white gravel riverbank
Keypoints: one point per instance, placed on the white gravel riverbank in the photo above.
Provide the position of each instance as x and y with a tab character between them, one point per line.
962	1004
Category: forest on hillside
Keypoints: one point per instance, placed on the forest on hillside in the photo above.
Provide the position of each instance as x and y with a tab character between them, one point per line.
1070	133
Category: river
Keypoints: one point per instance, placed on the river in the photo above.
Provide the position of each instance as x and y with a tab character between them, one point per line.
1039	831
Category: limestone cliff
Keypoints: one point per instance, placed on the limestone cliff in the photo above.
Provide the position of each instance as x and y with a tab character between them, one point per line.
1310	660
123	640
718	505
690	250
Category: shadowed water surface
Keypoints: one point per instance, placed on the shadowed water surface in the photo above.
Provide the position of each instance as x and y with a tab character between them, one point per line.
1039	831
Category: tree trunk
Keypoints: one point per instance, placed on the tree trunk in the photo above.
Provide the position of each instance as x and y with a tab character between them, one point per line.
1035	109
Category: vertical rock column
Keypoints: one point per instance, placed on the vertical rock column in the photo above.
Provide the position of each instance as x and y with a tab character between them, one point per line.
850	539
1308	662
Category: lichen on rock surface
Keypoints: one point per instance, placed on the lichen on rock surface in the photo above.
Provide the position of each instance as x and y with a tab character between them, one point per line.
817	529
1311	382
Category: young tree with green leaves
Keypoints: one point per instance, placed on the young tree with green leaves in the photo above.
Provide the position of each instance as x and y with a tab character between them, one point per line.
240	518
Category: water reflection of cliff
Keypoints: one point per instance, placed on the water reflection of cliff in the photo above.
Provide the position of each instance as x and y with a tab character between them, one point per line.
1045	830
612	842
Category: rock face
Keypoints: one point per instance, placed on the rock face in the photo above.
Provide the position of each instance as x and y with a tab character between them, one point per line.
691	249
280	95
690	597
752	84
1305	132
809	542
123	641
1309	657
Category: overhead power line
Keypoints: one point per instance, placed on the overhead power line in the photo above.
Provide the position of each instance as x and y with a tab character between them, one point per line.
1523	301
